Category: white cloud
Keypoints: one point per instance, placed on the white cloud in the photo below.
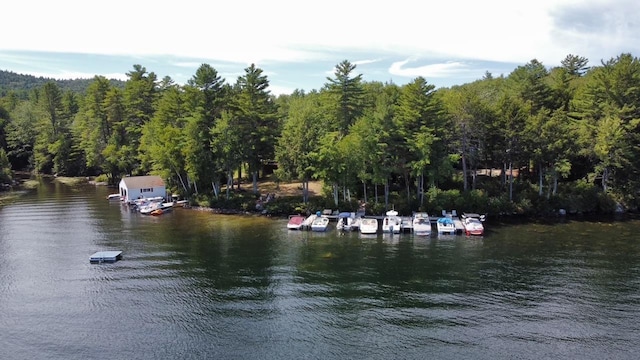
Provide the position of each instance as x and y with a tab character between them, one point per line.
427	71
365	62
280	90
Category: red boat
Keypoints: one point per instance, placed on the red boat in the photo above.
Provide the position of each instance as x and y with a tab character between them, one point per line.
295	222
473	224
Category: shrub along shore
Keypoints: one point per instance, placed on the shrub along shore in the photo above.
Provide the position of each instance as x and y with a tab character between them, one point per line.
285	199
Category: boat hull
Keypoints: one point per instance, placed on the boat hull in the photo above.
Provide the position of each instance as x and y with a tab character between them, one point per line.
422	229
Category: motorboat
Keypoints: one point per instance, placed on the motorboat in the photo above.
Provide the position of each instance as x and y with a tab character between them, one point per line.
392	223
149	207
421	223
320	223
177	202
445	225
295	222
368	226
113	197
473	224
181	203
357	218
345	221
306	224
355	224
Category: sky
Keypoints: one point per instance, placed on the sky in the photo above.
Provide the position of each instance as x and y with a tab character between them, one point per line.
297	44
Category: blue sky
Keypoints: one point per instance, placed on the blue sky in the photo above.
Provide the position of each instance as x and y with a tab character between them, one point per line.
298	43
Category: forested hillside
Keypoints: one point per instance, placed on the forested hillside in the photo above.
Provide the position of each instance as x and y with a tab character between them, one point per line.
535	141
21	84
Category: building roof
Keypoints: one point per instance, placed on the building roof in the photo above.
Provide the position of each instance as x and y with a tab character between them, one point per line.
139	182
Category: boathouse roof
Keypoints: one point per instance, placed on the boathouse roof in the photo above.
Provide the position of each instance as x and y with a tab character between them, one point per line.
138	182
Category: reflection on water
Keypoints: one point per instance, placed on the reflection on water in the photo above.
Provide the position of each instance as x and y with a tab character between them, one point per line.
198	285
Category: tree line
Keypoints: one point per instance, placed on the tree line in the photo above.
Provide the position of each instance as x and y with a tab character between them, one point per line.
21	84
539	137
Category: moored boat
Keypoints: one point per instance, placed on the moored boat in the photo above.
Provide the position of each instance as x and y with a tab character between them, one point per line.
445	225
345	221
295	222
148	208
421	223
306	224
473	224
368	226
113	197
392	223
320	223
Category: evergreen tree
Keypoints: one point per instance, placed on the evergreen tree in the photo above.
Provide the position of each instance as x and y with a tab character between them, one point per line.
348	93
416	119
255	119
299	140
140	94
207	95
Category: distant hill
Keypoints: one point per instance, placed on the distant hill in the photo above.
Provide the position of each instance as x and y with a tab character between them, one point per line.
22	84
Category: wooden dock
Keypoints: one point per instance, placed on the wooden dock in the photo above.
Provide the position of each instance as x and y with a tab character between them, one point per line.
105	256
458	224
407	224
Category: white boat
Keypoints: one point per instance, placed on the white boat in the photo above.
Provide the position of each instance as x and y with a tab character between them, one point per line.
320	223
473	224
355	224
445	225
155	207
421	223
295	222
306	224
113	197
140	202
368	226
392	223
181	203
345	221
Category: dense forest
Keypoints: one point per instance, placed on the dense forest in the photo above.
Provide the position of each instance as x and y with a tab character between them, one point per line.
21	84
535	141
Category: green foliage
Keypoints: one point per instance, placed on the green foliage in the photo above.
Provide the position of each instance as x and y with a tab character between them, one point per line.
21	84
570	131
254	119
348	94
103	178
6	175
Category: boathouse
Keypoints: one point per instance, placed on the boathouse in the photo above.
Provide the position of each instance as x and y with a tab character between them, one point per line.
138	187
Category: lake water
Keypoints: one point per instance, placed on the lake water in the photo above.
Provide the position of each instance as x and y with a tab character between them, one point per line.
194	285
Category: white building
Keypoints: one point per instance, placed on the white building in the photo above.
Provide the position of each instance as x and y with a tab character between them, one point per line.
138	187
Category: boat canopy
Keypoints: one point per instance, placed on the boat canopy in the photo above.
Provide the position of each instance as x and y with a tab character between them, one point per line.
445	220
344	215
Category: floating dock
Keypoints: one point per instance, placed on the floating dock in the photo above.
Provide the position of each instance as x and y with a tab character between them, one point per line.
106	256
